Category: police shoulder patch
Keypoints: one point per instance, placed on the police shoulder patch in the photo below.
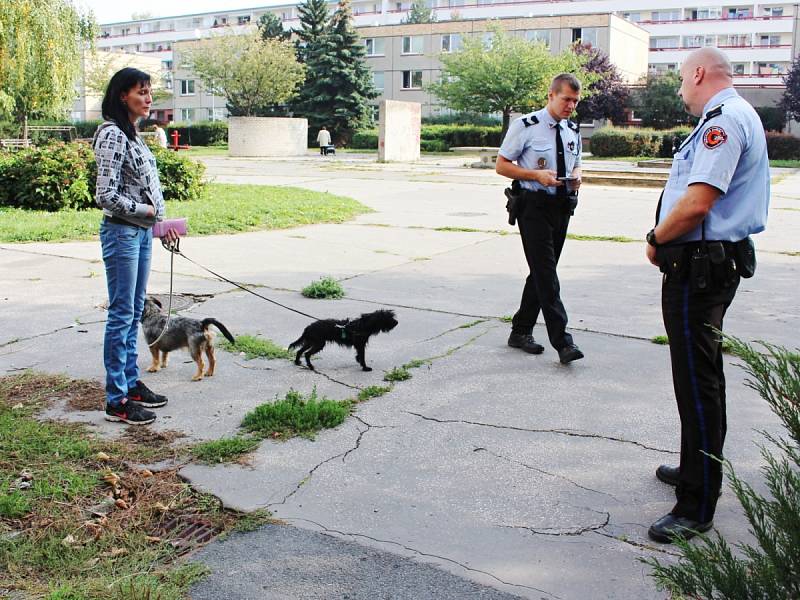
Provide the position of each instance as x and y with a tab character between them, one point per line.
714	136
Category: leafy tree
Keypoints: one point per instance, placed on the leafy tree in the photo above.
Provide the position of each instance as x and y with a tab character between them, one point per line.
270	26
102	65
420	13
339	84
314	24
41	46
253	74
658	103
609	94
511	75
791	96
770	569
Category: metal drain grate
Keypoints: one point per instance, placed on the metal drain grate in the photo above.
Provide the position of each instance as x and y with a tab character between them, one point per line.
179	301
188	532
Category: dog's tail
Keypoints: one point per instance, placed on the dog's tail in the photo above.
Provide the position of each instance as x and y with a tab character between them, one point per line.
221	327
297	343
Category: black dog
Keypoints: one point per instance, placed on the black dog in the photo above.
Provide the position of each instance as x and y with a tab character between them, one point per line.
355	333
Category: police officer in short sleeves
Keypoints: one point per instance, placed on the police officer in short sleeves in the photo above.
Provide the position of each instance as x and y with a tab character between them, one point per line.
716	196
546	146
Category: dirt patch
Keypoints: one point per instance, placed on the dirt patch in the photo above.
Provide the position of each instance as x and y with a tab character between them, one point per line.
84	395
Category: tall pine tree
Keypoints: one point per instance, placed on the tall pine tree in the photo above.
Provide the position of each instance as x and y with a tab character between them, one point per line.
339	83
314	24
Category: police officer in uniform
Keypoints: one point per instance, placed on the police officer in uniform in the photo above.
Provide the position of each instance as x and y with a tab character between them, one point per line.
546	146
716	196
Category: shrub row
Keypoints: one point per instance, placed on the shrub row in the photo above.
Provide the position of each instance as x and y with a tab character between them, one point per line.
611	141
782	146
83	129
60	176
202	133
439	138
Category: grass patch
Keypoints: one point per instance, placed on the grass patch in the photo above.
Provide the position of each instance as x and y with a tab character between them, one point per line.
785	163
295	415
325	287
256	347
397	374
223	208
198	151
601	238
661	340
373	391
55	541
507	318
224	450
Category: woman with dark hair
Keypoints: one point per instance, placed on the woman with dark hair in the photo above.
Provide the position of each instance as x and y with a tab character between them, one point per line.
129	192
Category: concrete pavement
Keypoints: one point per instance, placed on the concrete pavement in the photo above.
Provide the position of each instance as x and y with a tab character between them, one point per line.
501	468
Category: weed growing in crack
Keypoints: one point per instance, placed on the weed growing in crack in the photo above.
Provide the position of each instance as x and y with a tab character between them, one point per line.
296	414
507	318
373	391
256	347
254	520
325	287
397	374
661	340
472	324
225	449
601	238
416	363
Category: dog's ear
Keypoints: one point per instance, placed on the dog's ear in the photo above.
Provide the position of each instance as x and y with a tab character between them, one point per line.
156	301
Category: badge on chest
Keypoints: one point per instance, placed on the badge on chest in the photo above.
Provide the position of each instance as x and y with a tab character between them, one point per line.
542	162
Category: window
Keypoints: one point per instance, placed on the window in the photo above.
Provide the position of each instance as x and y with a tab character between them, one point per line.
633	17
412	80
770	40
220	21
586	35
413	44
773	11
487	37
243	19
704	13
451	42
168	81
737	40
378	80
187	114
697	41
666	15
187	87
166	65
661	68
665	42
375	46
538	35
738	13
738	68
769	69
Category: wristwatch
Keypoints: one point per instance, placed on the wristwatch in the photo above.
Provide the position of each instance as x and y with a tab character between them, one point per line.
651	238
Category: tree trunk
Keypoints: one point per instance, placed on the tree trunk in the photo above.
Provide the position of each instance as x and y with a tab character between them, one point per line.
506	122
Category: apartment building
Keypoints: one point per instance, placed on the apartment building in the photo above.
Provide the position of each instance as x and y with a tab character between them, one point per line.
760	38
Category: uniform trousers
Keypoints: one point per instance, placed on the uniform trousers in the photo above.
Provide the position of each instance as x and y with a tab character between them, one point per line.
699	382
543	229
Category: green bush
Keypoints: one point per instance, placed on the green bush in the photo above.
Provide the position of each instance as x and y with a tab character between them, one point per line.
783	146
462	119
612	141
433	146
202	133
51	177
773	118
181	177
365	140
59	176
463	135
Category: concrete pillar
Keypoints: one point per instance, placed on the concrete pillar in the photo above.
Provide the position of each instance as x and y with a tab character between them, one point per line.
399	131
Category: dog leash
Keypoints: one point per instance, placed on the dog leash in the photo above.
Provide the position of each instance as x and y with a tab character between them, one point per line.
175	249
172	247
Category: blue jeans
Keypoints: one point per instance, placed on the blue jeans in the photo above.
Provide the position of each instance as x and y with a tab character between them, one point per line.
126	254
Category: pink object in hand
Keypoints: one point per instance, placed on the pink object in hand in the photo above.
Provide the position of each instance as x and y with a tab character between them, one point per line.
161	227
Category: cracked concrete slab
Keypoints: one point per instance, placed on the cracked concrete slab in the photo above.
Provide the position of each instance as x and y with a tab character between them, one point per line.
497	467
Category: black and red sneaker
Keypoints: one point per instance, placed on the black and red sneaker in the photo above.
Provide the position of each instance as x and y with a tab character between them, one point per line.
130	413
145	396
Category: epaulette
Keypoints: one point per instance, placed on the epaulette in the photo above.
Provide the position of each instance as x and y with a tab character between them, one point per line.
573	125
714	112
534	120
